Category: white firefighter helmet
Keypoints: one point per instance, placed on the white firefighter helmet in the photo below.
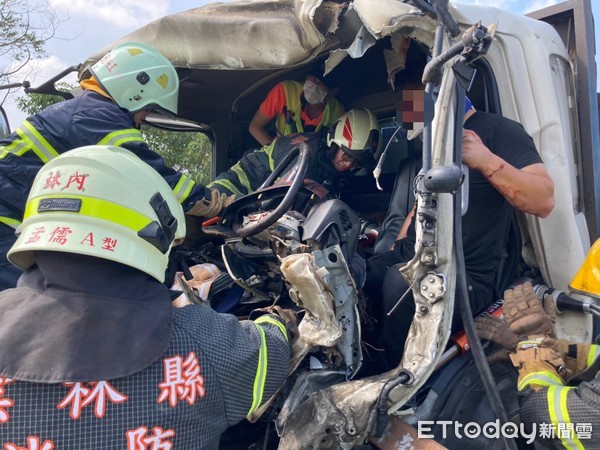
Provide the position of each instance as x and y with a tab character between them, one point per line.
101	201
357	134
138	77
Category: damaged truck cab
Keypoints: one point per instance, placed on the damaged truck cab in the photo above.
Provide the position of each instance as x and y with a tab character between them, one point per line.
229	55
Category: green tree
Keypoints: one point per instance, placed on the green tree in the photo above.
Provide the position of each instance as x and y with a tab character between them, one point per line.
25	26
33	103
188	152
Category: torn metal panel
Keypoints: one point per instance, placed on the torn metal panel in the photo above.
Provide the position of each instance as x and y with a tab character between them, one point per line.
341	284
319	18
306	383
381	18
385	17
395	58
226	53
310	291
336	417
264	34
255	34
322	285
362	42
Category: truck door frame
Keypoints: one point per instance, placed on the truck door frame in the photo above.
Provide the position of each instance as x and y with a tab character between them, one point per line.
574	23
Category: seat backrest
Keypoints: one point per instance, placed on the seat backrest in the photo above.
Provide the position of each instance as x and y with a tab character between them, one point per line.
401	202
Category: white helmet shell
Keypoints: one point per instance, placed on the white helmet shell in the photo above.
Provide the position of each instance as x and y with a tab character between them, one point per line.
357	133
104	202
138	77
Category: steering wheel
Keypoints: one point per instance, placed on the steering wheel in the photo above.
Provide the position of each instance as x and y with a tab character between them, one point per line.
257	197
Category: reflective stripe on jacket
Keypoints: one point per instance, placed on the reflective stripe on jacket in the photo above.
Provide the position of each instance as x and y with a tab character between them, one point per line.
254	168
293	91
563	416
215	372
89	119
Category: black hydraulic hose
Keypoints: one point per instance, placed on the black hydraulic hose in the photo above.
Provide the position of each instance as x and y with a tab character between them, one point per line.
474	36
439	8
462	292
433	69
469	325
424	6
378	418
564	302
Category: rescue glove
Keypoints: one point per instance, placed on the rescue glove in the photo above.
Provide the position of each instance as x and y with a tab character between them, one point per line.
533	322
213	206
288	316
496	330
578	357
538	355
526	314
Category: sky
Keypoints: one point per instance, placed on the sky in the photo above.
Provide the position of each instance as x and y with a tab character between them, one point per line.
87	26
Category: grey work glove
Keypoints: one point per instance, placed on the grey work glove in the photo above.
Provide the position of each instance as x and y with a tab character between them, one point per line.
496	330
288	316
525	313
210	208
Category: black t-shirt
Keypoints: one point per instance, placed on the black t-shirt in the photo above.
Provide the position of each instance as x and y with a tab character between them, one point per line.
489	214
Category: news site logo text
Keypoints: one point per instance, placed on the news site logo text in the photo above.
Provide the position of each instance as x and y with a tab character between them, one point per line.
493	430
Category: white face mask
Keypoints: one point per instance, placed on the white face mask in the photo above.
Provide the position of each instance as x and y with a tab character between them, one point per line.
314	93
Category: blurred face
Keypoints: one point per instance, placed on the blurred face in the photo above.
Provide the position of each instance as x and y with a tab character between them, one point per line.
343	162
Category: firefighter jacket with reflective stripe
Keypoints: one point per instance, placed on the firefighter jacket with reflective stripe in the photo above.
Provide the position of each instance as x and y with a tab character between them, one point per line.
86	120
215	371
287	124
255	167
564	415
